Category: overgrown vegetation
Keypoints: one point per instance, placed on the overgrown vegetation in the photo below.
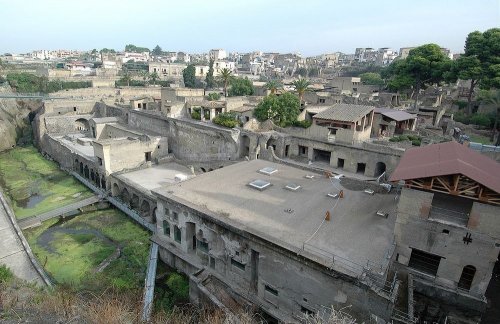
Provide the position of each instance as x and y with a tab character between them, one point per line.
189	76
213	96
241	87
415	140
302	123
484	120
35	185
175	292
5	274
227	119
196	114
30	83
282	110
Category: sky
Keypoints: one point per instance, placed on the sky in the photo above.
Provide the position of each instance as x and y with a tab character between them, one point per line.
309	27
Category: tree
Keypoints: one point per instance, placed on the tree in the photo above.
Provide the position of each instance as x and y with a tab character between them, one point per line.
371	78
93	54
188	74
493	97
480	63
157	51
225	77
424	65
241	87
273	86
127	77
213	96
154	77
314	72
301	88
210	80
227	119
145	76
135	49
302	72
282	110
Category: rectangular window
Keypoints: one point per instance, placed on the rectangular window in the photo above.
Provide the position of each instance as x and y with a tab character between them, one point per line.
271	290
99	160
177	234
424	262
306	311
167	211
237	264
147	156
166	228
202	246
321	100
175	216
212	262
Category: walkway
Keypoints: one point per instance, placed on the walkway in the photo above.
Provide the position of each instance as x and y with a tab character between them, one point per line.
15	252
37	220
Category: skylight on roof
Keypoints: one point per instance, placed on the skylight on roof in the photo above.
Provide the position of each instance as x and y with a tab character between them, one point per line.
309	176
292	187
259	184
268	170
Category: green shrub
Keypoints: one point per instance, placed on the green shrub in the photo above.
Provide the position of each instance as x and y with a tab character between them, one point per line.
461	118
179	285
5	274
196	115
416	142
226	119
213	96
461	104
302	123
480	120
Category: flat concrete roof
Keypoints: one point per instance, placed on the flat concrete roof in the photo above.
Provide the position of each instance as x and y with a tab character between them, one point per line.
292	218
82	150
156	176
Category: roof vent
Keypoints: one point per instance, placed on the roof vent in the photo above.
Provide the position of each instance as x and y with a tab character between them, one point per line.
268	170
369	191
309	176
292	186
259	184
333	195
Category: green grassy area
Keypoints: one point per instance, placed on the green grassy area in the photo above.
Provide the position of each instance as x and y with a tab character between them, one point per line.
75	256
480	139
36	185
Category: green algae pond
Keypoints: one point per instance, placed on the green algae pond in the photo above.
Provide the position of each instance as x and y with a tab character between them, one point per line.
93	250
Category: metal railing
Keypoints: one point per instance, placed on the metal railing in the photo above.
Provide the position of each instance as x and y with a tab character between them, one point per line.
149	286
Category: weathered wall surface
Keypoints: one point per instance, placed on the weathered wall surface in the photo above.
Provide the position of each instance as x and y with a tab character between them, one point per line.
414	230
13	121
276	279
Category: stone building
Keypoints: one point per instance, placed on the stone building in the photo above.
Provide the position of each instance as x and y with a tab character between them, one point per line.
388	122
447	228
250	231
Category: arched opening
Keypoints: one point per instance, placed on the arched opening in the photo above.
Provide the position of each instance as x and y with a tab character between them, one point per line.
115	190
244	146
76	165
86	172
82	125
103	182
271	142
125	196
81	168
379	168
145	208
92	176
134	203
210	169
466	278
203	169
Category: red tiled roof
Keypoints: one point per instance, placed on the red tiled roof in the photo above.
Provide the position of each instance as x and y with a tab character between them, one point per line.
446	159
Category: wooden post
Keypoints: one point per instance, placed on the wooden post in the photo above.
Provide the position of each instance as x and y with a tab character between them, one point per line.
341	194
327	216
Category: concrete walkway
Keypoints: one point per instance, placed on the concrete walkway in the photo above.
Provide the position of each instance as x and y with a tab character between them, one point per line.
12	251
38	219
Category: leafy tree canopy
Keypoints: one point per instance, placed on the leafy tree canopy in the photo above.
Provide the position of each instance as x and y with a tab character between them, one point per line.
227	119
157	51
371	78
241	87
210	80
135	49
282	110
189	77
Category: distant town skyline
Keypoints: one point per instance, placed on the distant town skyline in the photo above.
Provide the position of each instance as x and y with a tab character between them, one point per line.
310	28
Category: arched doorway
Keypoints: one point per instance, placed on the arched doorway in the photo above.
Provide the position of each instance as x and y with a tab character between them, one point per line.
379	168
245	146
81	168
467	277
134	203
271	142
103	182
145	208
153	216
115	190
82	125
125	196
86	172
92	176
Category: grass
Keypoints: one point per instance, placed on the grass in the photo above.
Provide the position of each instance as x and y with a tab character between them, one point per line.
24	173
480	139
77	255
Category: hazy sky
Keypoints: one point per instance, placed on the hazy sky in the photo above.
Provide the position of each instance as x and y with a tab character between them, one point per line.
310	27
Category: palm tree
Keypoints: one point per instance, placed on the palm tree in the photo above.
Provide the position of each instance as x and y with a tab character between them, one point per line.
301	87
154	77
225	77
273	86
493	97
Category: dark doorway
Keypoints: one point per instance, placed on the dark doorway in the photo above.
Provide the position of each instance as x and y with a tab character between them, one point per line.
361	168
287	149
323	156
340	163
466	278
147	156
254	283
379	168
424	262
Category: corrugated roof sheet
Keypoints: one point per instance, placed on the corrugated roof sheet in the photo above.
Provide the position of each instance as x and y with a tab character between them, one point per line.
344	112
396	115
447	159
